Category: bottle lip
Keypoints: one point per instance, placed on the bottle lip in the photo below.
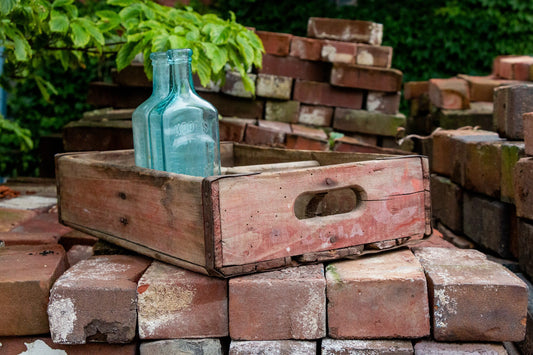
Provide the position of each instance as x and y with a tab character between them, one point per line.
179	55
158	56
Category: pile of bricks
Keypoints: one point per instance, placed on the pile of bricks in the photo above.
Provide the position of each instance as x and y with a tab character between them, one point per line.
338	78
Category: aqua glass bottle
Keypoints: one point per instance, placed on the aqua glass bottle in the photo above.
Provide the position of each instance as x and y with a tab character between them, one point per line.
160	90
184	127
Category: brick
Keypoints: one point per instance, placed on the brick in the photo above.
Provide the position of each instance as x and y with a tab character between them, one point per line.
526	346
318	93
284	111
47	222
96	300
273	86
182	346
451	93
380	296
528	132
256	135
338	52
447	202
481	88
366	347
363	77
44	346
309	131
483	168
436	239
363	121
12	238
97	135
345	30
523	185
515	67
28	202
525	246
415	89
472	298
275	43
276	125
274	347
103	94
176	303
292	299
315	115
132	75
234	85
351	144
479	114
232	129
230	106
295	68
383	102
306	48
376	56
510	103
301	142
78	253
432	347
511	152
74	237
27	272
487	222
209	87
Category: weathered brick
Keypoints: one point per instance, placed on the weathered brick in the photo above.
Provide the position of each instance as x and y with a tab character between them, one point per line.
74	237
479	114
27	273
97	135
523	185
232	129
318	93
234	85
363	121
295	68
472	298
176	303
78	253
44	346
13	238
447	202
230	106
102	94
511	152
315	115
436	239
377	56
415	89
132	75
352	144
345	30
366	347
510	103
96	300
528	132
209	87
431	347
47	222
182	346
306	48
284	127
301	142
526	346
380	296
29	202
481	88
284	304
309	131
338	52
451	93
487	222
273	347
525	243
256	135
273	86
363	77
383	102
483	168
275	43
284	111
515	67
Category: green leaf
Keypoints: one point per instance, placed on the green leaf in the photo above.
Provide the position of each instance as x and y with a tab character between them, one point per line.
177	42
92	30
218	34
122	3
59	22
6	6
217	56
160	43
22	47
79	35
109	20
61	3
128	51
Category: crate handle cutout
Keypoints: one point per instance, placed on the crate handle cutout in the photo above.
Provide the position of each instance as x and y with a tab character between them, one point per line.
314	204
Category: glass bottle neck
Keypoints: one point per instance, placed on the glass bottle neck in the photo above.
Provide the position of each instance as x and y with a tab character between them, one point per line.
180	71
161	77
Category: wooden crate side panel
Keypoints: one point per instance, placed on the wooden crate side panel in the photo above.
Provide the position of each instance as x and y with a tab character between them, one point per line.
257	212
158	210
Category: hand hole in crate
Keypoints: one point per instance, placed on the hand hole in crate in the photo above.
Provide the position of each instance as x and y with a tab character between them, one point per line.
329	202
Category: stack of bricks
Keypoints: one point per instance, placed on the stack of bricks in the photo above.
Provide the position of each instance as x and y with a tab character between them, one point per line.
60	295
338	78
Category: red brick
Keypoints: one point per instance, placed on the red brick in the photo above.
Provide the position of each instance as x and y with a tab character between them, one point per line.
452	93
78	253
526	346
354	145
278	305
27	273
182	346
511	152
284	111
363	121
436	239
338	52
481	88
75	237
374	347
483	167
103	94
472	298
345	30
43	223
317	93
44	345
234	86
309	131
284	127
256	135
273	86
432	347
97	135
525	247
510	103
523	185
232	129
295	68
369	78
383	102
29	202
272	347
415	89
132	75
12	238
479	114
376	56
275	43
528	132
230	106
381	296
306	48
300	142
177	303
447	202
458	241
96	300
515	67
315	115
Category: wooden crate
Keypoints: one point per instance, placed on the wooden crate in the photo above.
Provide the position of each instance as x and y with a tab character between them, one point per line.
241	223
